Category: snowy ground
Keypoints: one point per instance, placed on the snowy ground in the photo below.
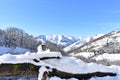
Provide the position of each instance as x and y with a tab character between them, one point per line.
17	50
110	57
83	54
98	57
67	64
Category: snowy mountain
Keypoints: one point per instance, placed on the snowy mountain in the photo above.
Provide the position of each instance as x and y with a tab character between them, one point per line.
81	42
60	40
68	43
109	43
77	44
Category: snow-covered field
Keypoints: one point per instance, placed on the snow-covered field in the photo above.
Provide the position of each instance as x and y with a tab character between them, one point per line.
67	64
98	57
109	57
83	54
16	50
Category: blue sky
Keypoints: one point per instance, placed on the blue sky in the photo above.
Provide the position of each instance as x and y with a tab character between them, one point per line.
61	17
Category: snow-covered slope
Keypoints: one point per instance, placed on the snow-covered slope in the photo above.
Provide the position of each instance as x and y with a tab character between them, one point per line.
109	43
77	44
81	42
60	40
105	56
108	57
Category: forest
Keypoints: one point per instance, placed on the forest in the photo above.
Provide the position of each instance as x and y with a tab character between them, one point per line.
14	37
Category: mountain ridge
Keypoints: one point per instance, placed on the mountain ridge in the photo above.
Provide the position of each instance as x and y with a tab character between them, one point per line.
107	43
61	40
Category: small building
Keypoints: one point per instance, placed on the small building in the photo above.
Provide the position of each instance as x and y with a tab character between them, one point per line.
41	48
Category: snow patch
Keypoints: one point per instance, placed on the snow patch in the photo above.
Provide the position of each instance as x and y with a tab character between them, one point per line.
41	72
17	50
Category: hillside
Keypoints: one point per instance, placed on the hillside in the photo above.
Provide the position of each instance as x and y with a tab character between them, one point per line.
77	44
107	43
12	38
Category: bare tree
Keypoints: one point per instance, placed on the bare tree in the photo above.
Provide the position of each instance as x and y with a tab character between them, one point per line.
15	37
